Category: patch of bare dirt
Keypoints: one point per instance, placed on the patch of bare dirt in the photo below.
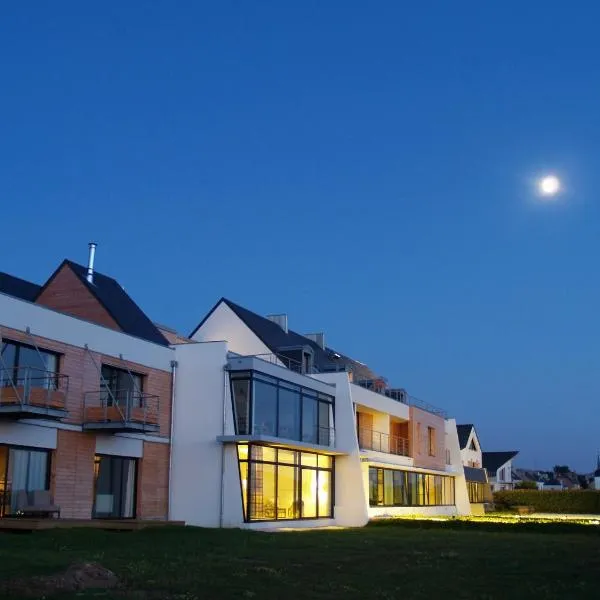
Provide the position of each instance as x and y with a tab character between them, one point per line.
77	577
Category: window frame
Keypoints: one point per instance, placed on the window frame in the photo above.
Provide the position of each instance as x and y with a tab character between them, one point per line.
47	484
299	467
127	372
431	440
136	462
319	399
417	488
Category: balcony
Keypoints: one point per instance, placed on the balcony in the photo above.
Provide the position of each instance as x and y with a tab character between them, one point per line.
368	439
120	411
27	392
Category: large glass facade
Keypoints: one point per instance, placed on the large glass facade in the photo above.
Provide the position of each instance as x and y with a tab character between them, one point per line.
280	484
393	487
266	405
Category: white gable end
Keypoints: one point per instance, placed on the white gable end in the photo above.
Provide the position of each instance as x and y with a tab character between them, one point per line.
224	325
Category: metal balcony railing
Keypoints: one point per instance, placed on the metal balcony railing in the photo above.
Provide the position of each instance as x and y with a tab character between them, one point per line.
379	386
121	409
368	439
29	388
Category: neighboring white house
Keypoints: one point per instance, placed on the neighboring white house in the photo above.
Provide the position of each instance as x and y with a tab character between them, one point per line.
274	429
475	475
499	469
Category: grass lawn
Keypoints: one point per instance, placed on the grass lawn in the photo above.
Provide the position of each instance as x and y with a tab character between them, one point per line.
397	560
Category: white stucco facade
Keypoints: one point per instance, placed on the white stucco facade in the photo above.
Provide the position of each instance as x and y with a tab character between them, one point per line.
206	481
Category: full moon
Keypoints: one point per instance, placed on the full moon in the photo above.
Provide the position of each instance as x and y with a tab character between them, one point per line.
549	185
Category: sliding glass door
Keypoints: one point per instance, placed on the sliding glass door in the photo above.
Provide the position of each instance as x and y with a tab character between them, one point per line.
114	496
22	470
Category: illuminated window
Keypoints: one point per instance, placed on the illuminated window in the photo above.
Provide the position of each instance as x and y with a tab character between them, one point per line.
278	484
394	487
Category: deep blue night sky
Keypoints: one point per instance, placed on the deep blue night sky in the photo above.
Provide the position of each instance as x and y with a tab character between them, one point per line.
368	168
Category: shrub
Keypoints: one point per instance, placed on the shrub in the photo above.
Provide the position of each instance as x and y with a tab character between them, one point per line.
563	502
526	485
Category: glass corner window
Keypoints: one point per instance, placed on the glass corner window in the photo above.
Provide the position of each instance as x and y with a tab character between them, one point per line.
276	408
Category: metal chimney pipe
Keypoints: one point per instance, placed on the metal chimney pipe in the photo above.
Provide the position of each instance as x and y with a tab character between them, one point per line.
90	269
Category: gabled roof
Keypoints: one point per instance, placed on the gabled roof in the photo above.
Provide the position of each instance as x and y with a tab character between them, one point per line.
109	293
276	339
492	461
464	432
19	288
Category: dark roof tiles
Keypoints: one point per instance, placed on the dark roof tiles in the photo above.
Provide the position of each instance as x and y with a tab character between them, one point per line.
19	288
492	461
464	431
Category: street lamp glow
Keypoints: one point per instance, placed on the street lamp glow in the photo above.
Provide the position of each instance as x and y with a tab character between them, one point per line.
549	185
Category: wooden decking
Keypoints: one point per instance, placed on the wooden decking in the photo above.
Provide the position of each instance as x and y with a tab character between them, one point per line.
28	524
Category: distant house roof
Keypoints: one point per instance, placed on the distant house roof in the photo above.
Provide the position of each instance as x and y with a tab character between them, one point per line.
553	481
475	475
275	338
464	431
126	313
492	461
19	288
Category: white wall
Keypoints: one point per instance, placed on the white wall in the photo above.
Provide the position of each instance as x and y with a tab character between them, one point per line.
21	434
472	456
119	446
44	322
378	402
351	489
463	506
224	324
196	476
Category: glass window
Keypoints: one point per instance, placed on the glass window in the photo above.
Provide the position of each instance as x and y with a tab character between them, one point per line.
324	461
114	496
244	482
400	492
388	487
309	493
27	471
286	456
21	471
324	493
373	497
284	490
9	353
309	459
431	440
121	386
25	365
262	491
394	487
309	420
265	408
242	451
325	421
289	414
241	403
287	493
268	406
264	453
